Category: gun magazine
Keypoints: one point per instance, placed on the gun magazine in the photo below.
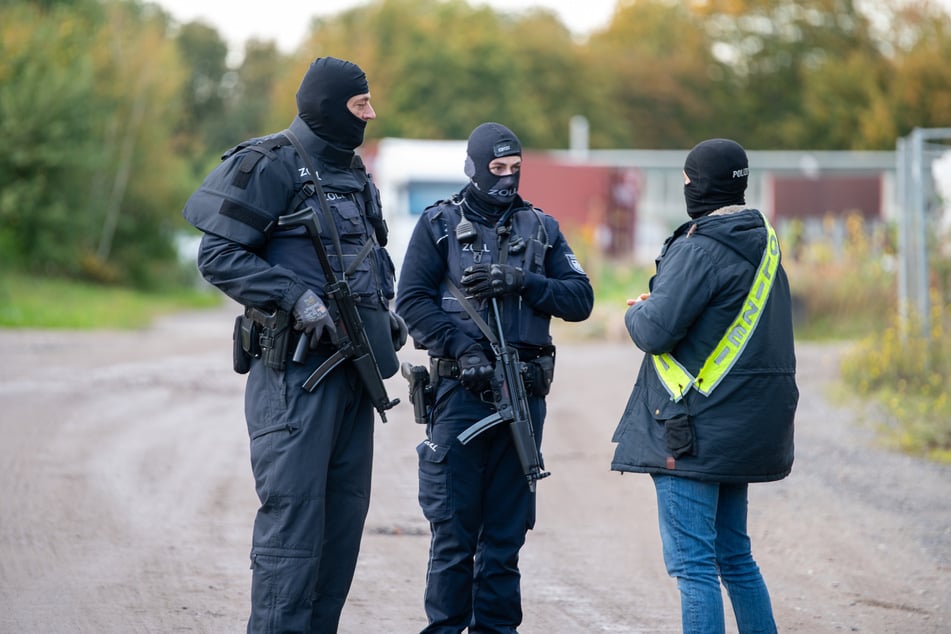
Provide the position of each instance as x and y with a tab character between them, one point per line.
323	370
486	423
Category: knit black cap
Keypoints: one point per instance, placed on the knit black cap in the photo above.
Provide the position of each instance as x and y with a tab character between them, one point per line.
718	170
487	142
322	101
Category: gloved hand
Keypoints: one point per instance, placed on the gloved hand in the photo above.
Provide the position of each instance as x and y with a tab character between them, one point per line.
313	317
398	331
483	281
474	369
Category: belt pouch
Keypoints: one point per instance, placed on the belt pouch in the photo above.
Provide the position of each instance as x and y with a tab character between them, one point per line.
241	356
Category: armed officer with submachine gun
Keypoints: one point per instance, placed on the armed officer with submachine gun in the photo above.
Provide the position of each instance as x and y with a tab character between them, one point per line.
484	273
294	232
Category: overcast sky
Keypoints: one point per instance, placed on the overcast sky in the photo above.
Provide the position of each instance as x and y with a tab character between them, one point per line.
286	21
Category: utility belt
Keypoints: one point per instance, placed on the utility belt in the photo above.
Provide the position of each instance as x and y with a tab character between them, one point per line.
259	334
536	365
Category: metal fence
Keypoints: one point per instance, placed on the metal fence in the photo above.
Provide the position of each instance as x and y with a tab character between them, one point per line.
920	212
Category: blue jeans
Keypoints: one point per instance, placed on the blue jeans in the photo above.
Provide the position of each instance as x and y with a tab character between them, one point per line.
703	530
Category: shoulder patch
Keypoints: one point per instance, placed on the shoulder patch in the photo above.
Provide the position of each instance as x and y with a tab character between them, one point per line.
574	263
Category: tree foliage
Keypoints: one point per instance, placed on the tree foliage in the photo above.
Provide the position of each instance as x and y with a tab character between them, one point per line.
112	112
88	101
438	68
47	110
661	80
919	88
204	54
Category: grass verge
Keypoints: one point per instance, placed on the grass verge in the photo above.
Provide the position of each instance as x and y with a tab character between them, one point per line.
33	302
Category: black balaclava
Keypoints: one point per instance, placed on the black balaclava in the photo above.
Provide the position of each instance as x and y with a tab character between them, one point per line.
718	170
487	142
322	101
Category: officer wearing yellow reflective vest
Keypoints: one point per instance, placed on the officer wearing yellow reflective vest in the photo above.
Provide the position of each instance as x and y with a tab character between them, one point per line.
713	404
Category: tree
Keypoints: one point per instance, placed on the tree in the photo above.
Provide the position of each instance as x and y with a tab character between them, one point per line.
47	117
557	81
662	82
439	68
253	94
111	113
88	103
796	64
139	86
919	90
204	53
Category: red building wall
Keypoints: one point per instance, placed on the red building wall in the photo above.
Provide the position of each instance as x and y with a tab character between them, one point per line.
596	199
800	197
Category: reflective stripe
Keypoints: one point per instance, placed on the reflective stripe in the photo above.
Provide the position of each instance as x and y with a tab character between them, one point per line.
677	380
673	375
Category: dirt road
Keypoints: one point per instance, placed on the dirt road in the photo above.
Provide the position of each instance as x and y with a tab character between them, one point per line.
127	502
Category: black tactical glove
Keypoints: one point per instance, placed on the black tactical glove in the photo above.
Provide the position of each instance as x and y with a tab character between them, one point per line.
474	369
313	317
483	281
398	331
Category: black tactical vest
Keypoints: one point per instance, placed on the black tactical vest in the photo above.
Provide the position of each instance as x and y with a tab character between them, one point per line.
521	241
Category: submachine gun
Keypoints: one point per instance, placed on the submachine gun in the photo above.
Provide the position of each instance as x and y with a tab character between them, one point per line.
511	403
350	340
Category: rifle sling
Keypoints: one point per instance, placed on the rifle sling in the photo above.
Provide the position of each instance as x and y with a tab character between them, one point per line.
467	305
471	311
328	217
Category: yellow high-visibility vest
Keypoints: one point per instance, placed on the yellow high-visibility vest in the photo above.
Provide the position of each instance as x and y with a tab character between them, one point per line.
678	381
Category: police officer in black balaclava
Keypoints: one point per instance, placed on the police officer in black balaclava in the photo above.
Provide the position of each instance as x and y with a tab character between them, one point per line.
322	102
493	165
716	172
491	245
491	190
311	451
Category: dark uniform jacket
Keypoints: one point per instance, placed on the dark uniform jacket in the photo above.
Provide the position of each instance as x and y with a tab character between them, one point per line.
555	284
256	262
743	430
253	260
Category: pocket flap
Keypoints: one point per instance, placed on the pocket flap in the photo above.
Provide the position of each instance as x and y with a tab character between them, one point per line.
431	452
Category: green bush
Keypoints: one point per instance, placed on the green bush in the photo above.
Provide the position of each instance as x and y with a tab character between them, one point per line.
843	291
909	373
849	292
